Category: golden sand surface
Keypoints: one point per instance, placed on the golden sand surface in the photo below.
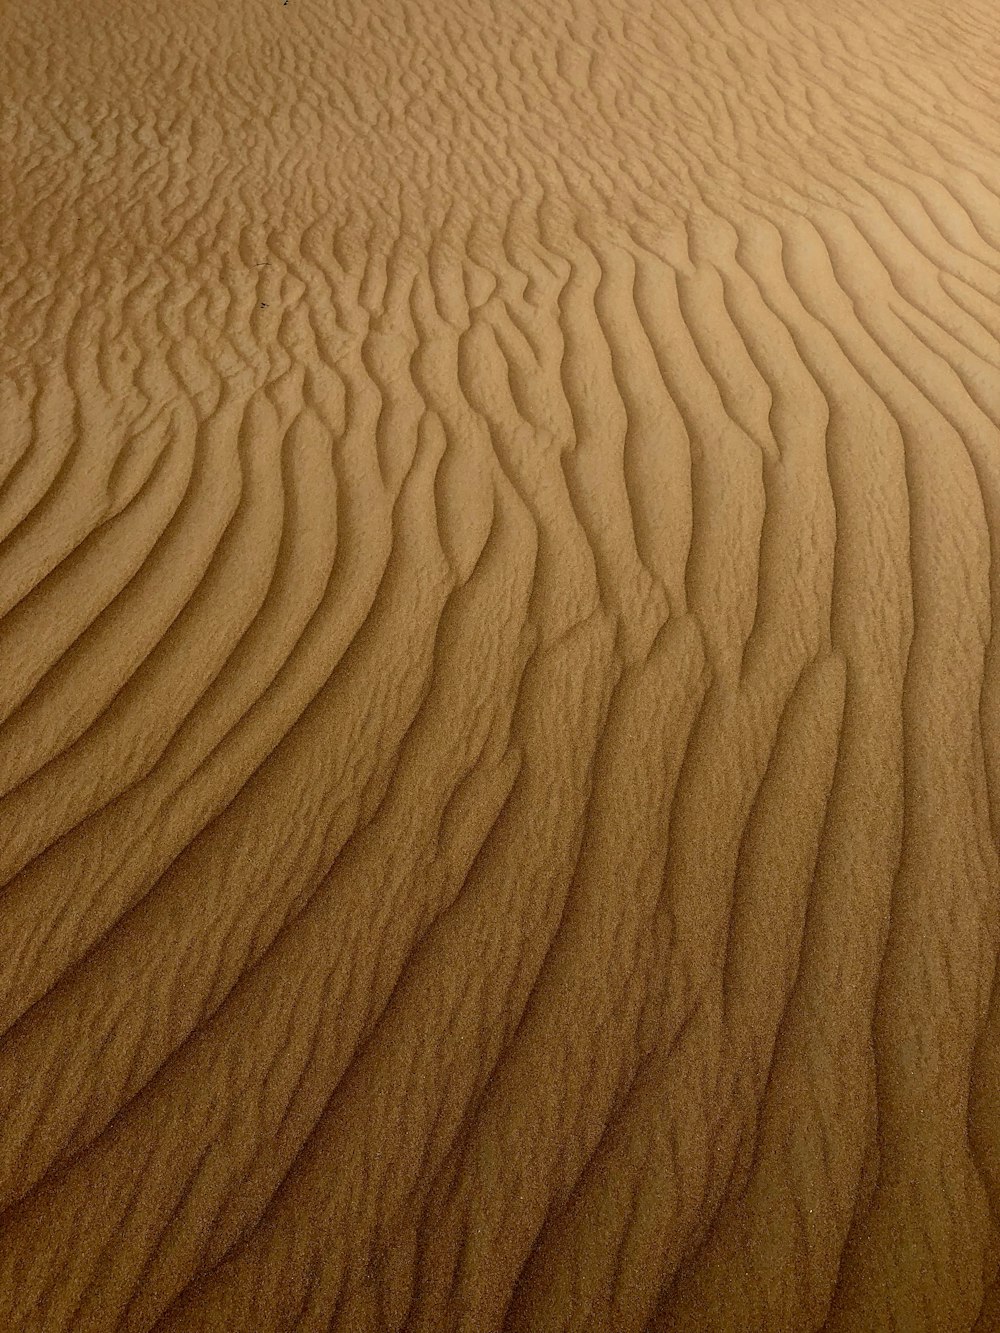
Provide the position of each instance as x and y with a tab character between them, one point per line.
499	666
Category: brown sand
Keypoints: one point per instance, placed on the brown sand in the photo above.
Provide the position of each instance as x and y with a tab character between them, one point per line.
500	684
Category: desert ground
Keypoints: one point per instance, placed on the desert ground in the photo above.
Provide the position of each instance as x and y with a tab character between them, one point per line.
500	666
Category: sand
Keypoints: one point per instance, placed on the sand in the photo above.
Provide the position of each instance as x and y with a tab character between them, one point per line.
499	667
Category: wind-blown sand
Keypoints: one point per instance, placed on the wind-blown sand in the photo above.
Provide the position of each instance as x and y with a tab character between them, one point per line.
499	668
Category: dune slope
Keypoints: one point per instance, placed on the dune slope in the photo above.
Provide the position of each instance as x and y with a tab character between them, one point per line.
499	667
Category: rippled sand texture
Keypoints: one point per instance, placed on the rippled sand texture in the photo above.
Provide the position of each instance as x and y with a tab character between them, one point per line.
500	666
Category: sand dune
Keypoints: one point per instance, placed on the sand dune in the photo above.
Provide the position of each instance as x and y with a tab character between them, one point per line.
500	691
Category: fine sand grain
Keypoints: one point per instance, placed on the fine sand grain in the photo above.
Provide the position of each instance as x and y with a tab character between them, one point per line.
499	666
